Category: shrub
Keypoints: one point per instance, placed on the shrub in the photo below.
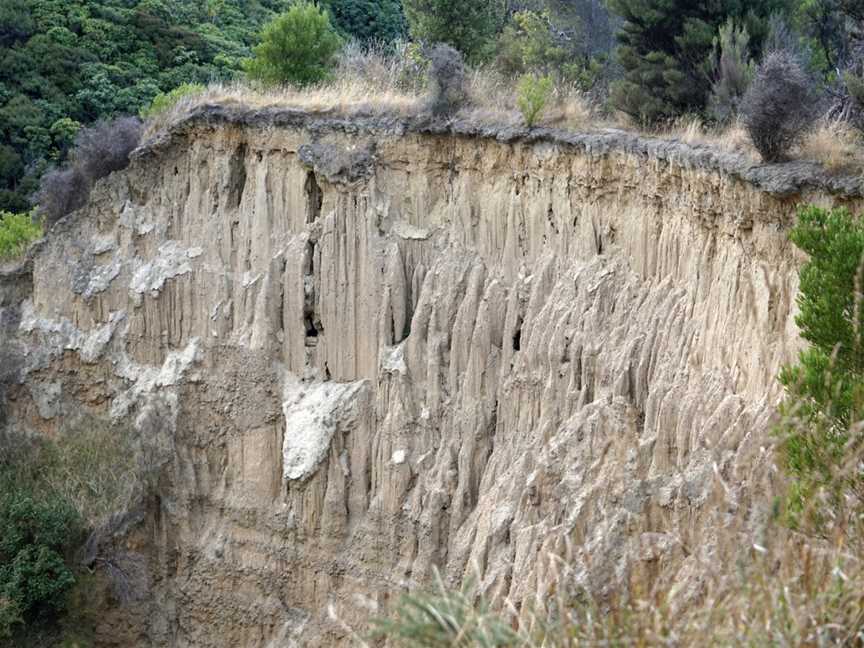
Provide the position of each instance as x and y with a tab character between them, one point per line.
533	95
105	147
17	231
99	150
528	44
61	192
733	71
467	25
164	101
34	538
446	80
299	47
369	21
779	108
825	389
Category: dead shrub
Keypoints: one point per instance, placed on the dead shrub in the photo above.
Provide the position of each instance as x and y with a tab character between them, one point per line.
61	192
105	147
446	80
99	151
780	107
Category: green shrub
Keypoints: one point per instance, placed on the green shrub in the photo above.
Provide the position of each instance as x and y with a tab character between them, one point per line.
297	47
467	25
164	101
17	231
825	389
446	619
35	537
533	94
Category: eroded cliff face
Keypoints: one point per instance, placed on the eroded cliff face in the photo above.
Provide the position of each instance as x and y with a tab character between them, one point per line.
362	356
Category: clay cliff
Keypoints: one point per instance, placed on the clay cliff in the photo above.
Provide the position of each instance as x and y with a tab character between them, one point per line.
362	351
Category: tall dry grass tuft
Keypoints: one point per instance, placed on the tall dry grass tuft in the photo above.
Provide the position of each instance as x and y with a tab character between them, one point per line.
836	144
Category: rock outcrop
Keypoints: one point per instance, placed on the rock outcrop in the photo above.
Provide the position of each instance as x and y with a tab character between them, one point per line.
364	354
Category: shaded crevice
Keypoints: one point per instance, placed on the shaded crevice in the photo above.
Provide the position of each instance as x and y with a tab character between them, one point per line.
237	176
314	197
517	340
313	328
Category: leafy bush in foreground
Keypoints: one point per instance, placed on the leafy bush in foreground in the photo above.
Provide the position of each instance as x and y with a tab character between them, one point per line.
825	389
298	47
780	107
17	231
35	535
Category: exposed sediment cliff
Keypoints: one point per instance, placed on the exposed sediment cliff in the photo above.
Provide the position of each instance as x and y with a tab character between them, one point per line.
368	352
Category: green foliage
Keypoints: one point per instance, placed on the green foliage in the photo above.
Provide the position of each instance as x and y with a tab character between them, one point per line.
528	44
467	25
73	62
378	21
447	619
164	101
532	96
35	535
825	389
297	47
17	231
733	70
665	49
539	42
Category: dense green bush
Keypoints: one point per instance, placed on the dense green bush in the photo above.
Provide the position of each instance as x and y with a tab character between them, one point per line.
164	101
368	21
70	62
297	47
35	538
665	51
825	389
17	231
467	25
532	96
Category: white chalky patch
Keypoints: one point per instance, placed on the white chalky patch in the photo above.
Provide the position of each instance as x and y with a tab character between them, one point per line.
102	276
62	334
398	457
312	411
171	261
146	379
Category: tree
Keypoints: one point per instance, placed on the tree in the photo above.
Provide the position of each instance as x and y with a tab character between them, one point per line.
298	46
381	21
825	389
665	48
733	70
470	26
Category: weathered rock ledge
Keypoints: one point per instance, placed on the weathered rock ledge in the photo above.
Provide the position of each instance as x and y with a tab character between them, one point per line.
789	178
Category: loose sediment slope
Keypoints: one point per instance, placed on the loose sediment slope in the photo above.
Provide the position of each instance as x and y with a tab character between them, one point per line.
365	353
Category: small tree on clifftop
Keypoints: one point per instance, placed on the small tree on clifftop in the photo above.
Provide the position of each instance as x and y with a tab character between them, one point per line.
468	25
298	46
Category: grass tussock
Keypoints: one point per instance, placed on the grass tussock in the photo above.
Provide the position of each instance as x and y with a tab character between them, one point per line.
836	144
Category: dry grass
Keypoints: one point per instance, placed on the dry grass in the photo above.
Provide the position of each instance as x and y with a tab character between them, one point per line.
837	145
692	130
375	82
